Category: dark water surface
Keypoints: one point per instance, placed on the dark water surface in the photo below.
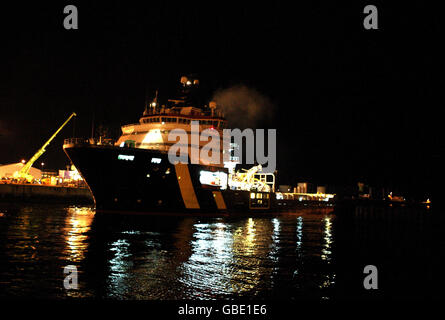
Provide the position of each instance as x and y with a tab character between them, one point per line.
312	253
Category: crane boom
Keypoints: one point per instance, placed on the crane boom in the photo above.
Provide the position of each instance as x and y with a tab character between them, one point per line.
23	173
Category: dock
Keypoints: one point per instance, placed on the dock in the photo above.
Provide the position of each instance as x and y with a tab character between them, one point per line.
12	192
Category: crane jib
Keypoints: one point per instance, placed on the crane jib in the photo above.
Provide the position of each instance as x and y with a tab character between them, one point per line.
28	165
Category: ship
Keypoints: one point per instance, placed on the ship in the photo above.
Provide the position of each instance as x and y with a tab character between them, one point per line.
134	174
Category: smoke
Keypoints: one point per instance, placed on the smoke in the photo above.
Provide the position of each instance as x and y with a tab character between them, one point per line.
243	107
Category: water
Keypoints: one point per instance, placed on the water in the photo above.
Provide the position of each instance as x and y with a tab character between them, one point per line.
312	253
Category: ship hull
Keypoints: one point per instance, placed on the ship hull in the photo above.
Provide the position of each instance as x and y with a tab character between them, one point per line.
140	181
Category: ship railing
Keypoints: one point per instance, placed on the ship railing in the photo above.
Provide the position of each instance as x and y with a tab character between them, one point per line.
77	141
87	141
131	124
171	112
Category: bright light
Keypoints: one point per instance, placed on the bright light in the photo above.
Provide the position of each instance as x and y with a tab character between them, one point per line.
156	160
125	157
213	178
153	136
23	161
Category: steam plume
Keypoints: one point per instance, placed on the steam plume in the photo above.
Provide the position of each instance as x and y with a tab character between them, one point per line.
243	107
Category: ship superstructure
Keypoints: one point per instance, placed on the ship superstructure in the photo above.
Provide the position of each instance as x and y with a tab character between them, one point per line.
153	129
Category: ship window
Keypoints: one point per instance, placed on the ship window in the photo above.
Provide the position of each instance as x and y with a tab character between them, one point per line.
162	119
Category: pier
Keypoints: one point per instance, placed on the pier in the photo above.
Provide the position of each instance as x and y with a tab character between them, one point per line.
44	193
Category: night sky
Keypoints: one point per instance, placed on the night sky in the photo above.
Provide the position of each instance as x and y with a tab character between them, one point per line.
349	104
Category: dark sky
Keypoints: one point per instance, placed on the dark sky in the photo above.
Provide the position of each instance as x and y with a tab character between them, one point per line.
350	104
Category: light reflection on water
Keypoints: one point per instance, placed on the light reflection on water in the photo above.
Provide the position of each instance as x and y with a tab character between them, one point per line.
78	223
165	258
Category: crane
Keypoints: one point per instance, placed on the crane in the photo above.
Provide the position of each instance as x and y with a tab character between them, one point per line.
23	174
247	181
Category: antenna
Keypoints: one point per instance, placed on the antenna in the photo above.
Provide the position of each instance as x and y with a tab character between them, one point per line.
212	106
146	101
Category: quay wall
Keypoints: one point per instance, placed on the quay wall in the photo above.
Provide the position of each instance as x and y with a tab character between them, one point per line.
42	193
